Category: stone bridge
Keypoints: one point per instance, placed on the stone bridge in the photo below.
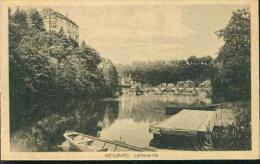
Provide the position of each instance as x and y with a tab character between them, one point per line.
177	90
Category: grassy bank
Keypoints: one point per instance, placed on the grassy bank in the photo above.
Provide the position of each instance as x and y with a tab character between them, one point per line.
238	135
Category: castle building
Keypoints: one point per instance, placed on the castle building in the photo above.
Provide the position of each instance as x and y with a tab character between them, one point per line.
55	21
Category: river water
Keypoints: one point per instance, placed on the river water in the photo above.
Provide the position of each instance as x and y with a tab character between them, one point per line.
126	118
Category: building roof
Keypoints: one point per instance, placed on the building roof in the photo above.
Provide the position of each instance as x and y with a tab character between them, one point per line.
189	81
180	82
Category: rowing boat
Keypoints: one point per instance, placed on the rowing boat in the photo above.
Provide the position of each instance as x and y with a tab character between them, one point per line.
87	143
176	109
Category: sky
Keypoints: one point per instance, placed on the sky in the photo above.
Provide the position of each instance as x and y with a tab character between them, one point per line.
139	33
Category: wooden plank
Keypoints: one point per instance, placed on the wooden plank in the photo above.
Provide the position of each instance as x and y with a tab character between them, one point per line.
98	145
212	122
196	124
218	118
179	118
187	122
182	120
224	117
206	124
109	146
202	118
178	132
192	120
173	120
200	121
230	118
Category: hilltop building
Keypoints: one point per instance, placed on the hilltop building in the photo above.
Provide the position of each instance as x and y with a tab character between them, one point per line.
55	21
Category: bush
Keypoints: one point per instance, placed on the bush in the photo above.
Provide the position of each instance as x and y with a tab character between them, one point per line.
238	135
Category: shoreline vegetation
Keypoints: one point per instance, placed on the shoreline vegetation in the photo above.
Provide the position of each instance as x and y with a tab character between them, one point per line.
48	66
238	135
232	82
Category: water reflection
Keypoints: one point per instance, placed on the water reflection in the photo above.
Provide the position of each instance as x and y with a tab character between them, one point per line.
126	118
47	131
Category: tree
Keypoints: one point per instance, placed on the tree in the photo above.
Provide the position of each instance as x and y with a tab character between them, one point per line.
83	44
45	65
61	32
110	77
19	17
90	55
193	60
232	80
157	72
36	20
17	28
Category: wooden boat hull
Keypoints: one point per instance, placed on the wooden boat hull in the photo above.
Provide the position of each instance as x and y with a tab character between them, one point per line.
175	109
86	143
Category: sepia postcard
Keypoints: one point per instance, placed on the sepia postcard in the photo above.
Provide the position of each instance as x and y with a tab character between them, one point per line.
129	80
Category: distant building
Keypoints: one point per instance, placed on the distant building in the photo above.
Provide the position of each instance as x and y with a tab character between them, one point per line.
170	85
55	21
206	83
163	85
188	83
127	81
180	84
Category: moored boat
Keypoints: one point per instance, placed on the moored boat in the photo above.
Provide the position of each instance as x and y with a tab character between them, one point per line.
176	109
87	143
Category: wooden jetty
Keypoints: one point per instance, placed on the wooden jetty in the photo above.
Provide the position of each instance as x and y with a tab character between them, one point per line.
224	117
189	122
176	109
86	143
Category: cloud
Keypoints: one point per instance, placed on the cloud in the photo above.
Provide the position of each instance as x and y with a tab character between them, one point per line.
128	33
125	23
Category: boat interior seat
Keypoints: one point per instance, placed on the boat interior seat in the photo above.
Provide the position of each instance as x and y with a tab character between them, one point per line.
87	141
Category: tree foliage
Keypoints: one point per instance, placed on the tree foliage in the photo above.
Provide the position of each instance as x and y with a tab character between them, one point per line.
157	72
48	65
36	20
111	77
232	80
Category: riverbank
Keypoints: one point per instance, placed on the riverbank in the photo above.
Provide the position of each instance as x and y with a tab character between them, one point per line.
238	135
